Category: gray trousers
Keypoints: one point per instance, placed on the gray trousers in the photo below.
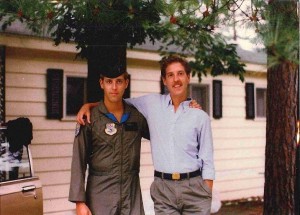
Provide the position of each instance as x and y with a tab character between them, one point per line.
184	197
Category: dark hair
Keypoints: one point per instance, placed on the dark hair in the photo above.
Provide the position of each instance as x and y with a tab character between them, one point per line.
166	61
126	76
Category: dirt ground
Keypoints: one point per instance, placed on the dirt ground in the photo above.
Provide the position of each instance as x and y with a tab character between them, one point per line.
242	207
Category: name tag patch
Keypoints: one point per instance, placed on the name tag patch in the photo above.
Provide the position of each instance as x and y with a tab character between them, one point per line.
131	126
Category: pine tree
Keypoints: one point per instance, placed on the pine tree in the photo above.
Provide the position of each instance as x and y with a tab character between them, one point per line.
281	38
276	23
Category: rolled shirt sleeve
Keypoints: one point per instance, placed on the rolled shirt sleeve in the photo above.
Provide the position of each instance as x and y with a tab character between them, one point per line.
206	150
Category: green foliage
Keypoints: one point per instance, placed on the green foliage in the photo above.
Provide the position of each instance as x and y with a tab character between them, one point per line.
92	23
32	12
187	25
193	34
276	24
281	33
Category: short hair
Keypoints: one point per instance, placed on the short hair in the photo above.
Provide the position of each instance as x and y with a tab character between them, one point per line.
166	61
126	75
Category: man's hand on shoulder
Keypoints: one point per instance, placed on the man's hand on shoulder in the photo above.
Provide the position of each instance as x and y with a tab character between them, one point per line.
85	112
194	104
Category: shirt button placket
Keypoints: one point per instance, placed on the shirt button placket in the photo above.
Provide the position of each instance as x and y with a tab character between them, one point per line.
172	138
173	134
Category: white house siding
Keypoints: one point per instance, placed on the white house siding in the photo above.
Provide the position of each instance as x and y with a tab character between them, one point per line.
27	60
239	143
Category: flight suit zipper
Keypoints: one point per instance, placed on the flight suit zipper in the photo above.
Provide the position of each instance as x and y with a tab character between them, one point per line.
121	175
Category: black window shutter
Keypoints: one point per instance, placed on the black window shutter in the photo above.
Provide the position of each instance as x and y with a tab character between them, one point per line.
217	99
250	110
54	93
127	91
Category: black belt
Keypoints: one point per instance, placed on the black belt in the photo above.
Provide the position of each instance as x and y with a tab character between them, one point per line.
176	175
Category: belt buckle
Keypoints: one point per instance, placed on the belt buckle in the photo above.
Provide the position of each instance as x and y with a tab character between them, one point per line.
176	176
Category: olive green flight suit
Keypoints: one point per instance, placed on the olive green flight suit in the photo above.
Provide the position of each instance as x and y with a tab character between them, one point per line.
112	152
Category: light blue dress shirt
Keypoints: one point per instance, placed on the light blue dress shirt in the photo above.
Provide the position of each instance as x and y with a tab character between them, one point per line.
181	141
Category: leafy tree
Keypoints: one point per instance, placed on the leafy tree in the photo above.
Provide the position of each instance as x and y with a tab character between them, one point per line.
102	30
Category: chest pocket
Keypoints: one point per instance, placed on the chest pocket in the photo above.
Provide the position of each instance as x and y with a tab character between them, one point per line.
131	126
133	138
103	144
132	133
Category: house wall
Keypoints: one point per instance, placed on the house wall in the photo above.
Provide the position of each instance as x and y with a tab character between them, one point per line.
239	143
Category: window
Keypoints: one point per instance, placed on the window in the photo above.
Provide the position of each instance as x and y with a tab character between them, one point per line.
75	94
66	93
200	93
256	101
261	102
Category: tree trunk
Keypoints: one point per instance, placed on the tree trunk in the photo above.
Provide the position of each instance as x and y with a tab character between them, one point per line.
107	48
297	189
280	164
99	58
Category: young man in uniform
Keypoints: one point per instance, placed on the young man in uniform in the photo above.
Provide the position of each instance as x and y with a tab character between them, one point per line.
110	147
181	142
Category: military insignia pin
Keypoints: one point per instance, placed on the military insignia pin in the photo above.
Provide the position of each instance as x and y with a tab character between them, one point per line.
77	129
110	129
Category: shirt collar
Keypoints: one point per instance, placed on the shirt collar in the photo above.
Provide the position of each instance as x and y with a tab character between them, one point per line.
109	115
168	101
113	118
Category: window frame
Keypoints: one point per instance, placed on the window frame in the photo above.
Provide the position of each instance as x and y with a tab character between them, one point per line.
253	91
209	95
66	117
263	87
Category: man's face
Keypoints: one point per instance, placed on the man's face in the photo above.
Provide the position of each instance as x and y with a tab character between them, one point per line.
113	88
176	80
